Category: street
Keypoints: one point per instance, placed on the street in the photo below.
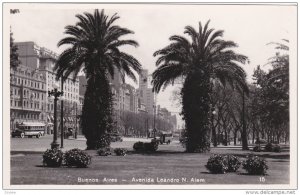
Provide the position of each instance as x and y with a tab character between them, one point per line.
42	144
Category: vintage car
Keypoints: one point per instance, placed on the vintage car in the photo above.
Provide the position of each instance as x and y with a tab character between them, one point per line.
114	137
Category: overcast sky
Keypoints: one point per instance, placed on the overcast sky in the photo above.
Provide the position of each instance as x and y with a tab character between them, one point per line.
250	26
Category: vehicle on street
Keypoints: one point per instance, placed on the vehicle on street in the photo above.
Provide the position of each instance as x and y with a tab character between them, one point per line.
68	133
115	137
29	129
165	137
261	141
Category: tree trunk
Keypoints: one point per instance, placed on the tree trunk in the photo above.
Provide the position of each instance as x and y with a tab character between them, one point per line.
195	110
96	113
235	136
244	133
214	134
253	136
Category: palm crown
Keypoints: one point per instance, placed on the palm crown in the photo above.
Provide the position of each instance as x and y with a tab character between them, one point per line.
95	43
206	54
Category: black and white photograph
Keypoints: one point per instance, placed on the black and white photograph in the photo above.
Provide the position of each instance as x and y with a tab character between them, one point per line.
150	96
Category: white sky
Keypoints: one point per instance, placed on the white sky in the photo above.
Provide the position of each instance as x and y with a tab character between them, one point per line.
250	26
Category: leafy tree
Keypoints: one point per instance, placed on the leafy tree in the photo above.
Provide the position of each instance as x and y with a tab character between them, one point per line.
95	48
271	100
14	56
205	58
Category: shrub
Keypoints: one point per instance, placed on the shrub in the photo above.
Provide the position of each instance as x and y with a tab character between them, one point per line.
257	149
120	151
255	165
104	141
150	147
277	148
77	158
233	163
217	164
103	151
53	158
269	147
138	146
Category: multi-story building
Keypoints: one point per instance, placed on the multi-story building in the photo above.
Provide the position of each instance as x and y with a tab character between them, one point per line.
42	60
146	94
167	116
131	98
27	96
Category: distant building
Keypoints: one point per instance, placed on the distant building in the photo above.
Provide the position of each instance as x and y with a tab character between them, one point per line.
146	94
167	116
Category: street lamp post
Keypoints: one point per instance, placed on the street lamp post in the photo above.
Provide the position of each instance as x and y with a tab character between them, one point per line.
154	119
76	130
55	93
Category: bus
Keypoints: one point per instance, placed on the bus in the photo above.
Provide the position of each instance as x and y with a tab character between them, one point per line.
29	129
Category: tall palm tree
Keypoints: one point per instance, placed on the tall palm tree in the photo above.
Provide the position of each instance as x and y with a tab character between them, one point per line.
94	48
199	61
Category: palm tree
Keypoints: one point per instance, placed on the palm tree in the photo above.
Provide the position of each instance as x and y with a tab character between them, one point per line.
199	61
280	63
94	48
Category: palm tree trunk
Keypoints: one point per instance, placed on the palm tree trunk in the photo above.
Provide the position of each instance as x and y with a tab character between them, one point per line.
96	112
195	110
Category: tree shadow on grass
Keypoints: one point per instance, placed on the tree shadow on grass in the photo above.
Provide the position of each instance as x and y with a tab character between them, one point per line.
209	173
248	174
273	156
280	161
157	153
44	166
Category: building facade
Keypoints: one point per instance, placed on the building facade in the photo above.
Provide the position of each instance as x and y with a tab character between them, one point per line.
42	61
28	95
146	95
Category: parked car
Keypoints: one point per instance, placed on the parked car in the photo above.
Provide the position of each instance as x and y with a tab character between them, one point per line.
114	137
68	133
261	141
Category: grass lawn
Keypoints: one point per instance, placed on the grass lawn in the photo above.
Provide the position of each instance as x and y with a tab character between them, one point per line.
168	163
